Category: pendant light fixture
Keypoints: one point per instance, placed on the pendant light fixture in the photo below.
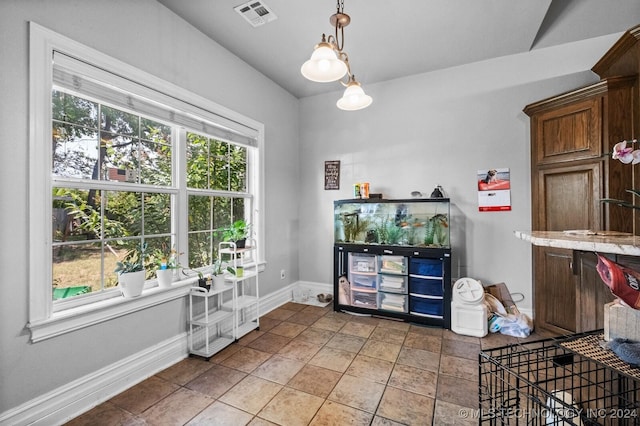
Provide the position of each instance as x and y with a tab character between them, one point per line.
330	63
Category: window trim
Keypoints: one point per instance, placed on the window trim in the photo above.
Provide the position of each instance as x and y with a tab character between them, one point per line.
43	323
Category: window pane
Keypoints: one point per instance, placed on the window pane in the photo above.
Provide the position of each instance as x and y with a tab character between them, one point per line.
238	168
202	249
123	214
71	109
76	215
75	153
157	214
222	212
119	122
199	213
197	161
120	157
155	154
219	178
78	269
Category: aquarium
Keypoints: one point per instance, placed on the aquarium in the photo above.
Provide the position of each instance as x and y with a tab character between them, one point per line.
408	223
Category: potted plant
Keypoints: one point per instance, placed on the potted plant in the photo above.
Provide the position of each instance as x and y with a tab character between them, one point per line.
236	233
166	266
218	274
131	272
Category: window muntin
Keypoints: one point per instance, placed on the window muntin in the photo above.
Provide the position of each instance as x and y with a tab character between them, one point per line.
217	185
116	84
94	228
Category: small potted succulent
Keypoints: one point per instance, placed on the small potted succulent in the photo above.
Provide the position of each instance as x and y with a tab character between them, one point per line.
167	266
131	272
218	274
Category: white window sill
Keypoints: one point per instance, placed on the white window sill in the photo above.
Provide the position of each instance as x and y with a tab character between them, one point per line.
94	313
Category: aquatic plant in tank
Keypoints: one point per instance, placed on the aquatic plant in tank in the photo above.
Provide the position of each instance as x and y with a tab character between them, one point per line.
417	223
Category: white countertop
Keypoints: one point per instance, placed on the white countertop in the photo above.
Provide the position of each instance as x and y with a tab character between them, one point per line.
596	241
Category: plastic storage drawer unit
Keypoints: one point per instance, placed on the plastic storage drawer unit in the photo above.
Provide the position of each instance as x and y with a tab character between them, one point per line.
426	267
362	280
393	302
426	286
426	306
392	283
362	262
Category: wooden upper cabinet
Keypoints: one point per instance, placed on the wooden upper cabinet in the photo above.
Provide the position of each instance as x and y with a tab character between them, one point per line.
569	133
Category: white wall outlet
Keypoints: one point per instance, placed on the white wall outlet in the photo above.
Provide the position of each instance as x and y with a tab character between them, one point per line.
282	274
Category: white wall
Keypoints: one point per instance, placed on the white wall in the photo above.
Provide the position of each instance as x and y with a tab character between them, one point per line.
430	129
148	36
439	129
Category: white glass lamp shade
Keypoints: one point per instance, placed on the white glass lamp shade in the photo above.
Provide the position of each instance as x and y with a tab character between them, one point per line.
354	98
324	65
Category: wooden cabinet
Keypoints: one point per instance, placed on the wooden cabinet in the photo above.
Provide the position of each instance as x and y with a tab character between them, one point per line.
572	136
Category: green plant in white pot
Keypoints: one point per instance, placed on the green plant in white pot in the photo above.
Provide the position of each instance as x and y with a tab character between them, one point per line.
166	266
237	233
217	274
131	272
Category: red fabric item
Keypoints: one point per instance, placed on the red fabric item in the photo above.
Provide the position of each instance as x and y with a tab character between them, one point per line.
623	282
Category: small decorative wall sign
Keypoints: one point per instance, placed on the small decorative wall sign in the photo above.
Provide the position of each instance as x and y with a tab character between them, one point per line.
332	174
494	190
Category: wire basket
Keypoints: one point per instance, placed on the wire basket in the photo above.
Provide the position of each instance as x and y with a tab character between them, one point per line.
568	381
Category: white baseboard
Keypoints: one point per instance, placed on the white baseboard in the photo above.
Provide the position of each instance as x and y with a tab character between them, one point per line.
66	402
284	295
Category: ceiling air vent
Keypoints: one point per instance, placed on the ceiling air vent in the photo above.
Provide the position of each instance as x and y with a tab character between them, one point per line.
256	13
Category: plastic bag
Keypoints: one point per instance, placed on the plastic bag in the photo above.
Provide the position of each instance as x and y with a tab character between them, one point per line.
512	324
516	325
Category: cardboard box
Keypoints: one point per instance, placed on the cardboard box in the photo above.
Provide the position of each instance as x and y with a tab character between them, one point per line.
501	292
621	321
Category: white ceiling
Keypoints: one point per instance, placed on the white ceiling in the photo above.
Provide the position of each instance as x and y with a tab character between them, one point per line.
397	38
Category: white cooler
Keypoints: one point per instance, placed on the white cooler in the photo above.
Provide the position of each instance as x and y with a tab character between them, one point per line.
468	310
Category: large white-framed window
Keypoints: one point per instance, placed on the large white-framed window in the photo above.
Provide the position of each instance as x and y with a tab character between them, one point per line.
120	159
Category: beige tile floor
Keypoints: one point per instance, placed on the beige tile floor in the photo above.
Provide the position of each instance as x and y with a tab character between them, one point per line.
308	365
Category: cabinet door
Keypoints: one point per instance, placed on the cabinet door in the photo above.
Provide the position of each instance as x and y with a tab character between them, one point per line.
591	295
568	133
554	290
568	197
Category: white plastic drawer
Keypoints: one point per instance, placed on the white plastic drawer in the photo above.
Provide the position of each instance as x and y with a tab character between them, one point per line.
362	263
393	265
392	283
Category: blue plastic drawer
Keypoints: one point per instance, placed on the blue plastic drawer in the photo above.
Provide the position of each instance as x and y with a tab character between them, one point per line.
426	267
426	286
363	280
426	306
392	283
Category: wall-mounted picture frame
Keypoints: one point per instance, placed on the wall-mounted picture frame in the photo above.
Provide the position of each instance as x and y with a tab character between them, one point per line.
332	174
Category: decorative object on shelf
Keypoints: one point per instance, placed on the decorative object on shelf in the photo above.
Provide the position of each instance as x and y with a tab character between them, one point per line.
131	272
237	272
236	233
330	63
438	192
626	155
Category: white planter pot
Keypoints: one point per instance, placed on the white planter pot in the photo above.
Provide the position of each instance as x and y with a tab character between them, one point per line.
131	284
165	277
218	281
